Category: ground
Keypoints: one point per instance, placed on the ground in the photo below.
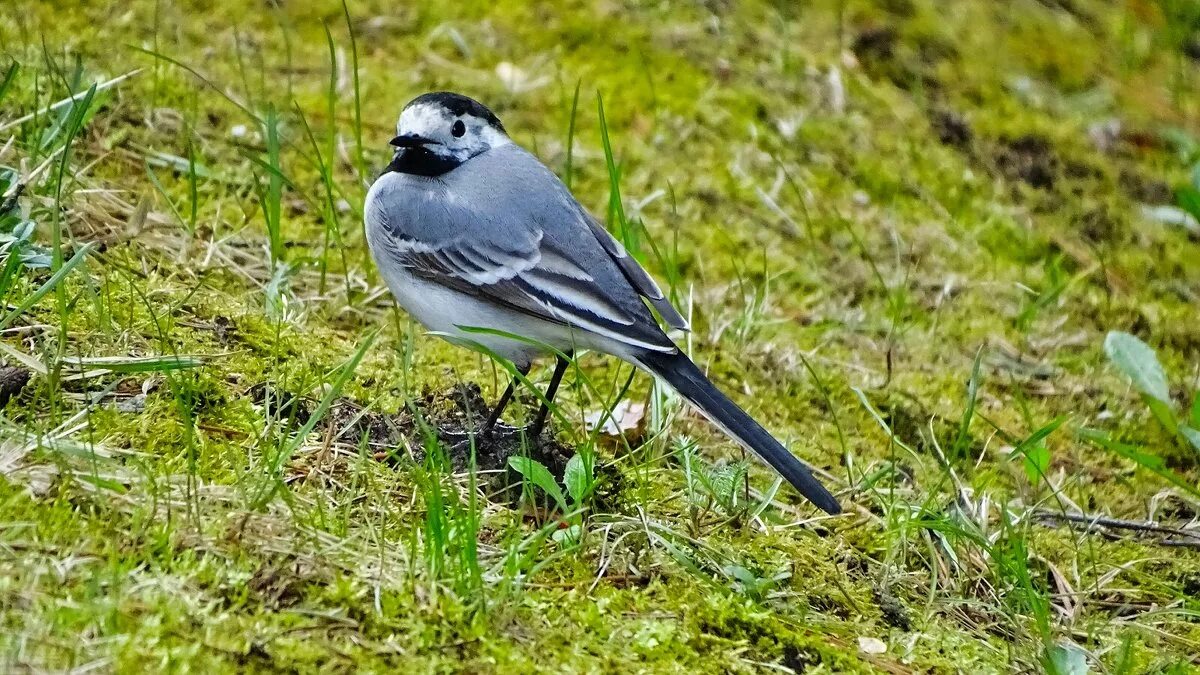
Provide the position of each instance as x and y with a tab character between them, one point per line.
934	247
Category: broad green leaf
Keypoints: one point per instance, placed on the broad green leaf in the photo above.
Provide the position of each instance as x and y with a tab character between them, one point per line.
577	479
1137	360
1196	409
535	472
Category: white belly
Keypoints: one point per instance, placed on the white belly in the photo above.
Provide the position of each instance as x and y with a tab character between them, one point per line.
452	314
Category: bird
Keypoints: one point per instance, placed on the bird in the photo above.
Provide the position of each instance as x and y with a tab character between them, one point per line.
471	231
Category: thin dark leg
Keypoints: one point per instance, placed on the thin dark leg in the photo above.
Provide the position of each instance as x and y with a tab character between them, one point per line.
503	402
535	429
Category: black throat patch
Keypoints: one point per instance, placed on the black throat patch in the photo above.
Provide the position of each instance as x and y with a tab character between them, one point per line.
421	162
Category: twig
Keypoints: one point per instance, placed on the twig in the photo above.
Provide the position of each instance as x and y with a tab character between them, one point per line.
1092	522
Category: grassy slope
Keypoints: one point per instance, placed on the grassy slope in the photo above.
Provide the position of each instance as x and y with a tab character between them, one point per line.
870	256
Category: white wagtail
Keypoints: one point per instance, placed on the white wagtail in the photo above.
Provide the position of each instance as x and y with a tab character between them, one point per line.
471	231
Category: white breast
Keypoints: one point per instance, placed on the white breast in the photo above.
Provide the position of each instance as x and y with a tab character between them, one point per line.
445	310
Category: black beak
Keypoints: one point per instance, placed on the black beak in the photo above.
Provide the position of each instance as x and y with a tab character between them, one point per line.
413	156
411	141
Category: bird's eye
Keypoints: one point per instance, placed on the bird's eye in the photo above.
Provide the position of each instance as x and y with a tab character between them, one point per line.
458	129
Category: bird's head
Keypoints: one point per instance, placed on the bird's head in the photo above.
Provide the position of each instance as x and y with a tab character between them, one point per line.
439	131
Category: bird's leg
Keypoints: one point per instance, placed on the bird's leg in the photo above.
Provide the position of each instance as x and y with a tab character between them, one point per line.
540	421
503	402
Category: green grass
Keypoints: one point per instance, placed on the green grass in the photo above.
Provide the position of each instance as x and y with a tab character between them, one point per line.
902	231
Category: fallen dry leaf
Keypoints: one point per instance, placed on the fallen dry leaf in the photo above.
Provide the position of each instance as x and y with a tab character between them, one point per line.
626	416
871	645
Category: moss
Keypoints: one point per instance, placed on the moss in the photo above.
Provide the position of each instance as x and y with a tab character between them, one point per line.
954	200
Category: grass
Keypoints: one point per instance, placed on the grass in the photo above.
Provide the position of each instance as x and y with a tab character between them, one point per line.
906	235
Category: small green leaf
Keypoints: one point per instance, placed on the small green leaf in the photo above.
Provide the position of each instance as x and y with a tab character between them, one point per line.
1037	462
1068	659
1035	453
567	536
535	472
277	292
1192	435
1137	360
1188	199
577	479
1196	409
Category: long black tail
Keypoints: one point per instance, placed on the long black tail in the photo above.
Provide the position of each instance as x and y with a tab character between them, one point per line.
687	379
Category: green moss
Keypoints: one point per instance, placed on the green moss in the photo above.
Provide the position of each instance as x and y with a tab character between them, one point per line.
955	202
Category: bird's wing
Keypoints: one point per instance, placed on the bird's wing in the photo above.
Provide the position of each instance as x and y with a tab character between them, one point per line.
540	281
502	227
637	275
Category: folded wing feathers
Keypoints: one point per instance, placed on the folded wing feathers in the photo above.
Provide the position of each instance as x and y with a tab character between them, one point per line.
637	276
540	280
557	263
581	295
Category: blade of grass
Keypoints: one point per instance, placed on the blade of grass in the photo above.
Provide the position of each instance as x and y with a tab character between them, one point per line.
10	75
964	428
616	208
360	162
569	169
240	105
272	199
1151	463
333	225
335	390
135	364
50	284
70	100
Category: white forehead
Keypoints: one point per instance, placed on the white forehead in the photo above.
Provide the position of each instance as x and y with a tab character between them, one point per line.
423	116
434	121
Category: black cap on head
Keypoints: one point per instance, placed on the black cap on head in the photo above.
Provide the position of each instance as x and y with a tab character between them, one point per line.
458	104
